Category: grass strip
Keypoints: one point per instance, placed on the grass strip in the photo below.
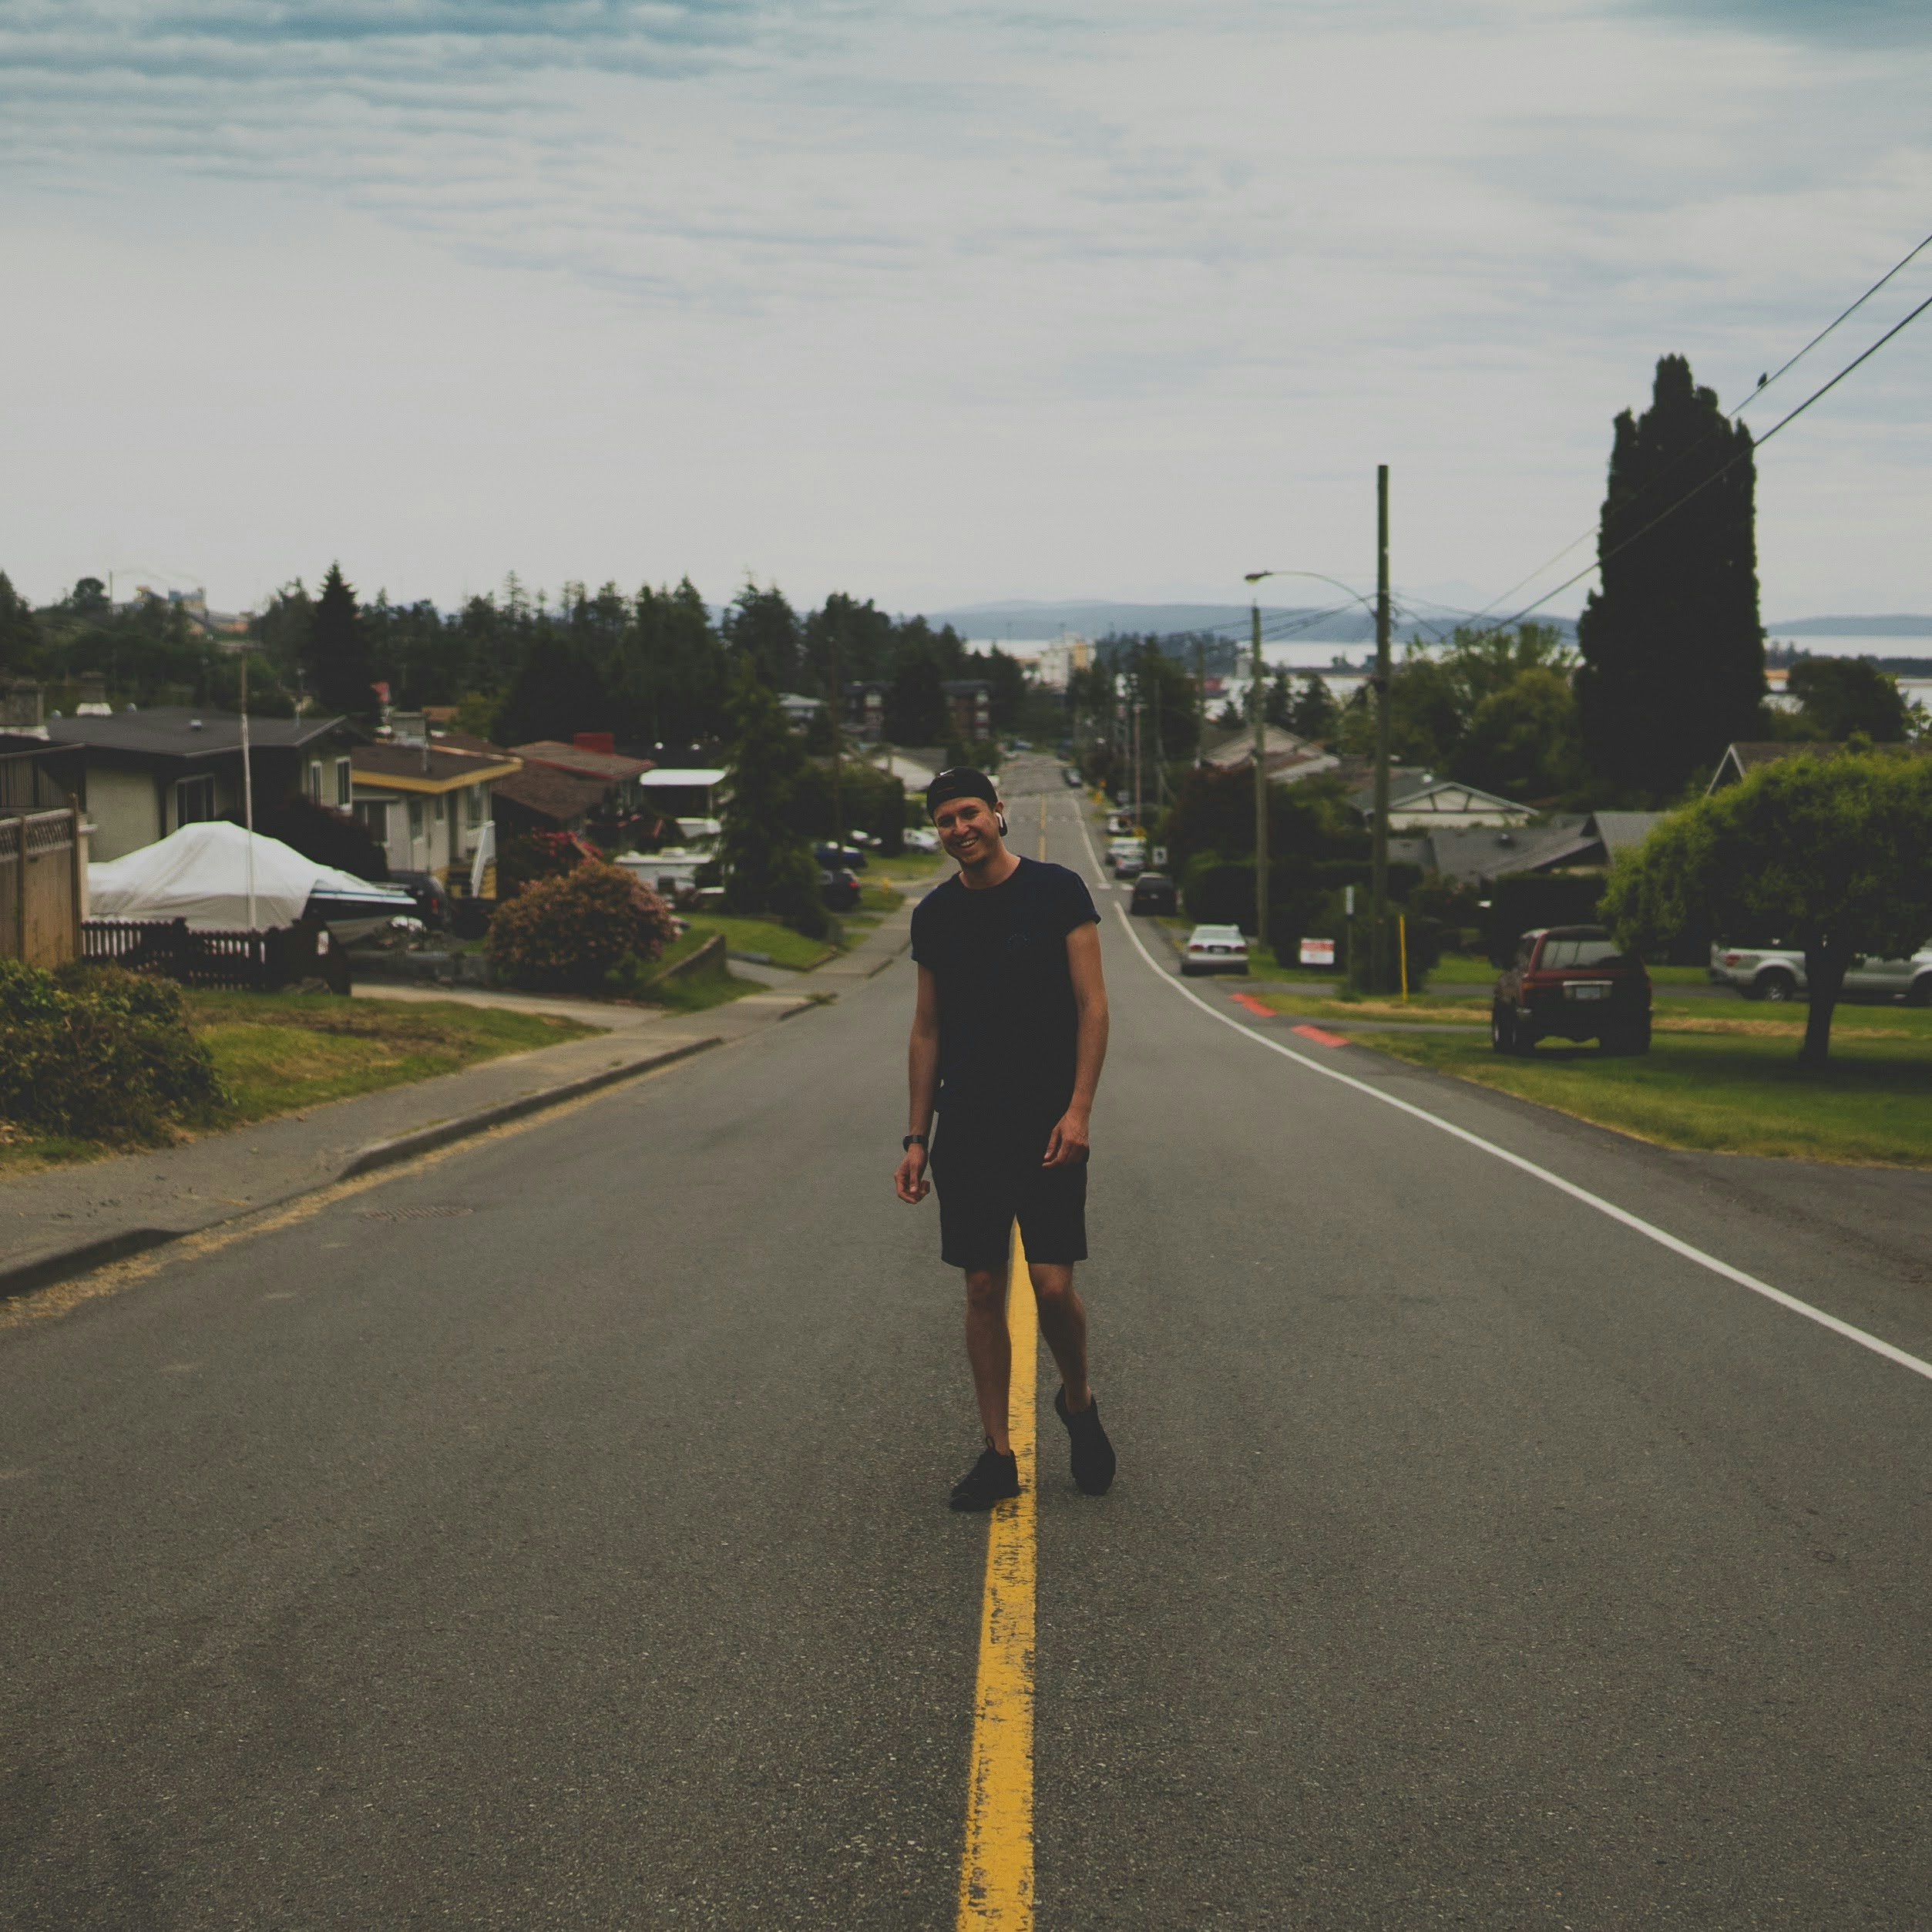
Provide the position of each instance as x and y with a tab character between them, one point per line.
279	1053
282	1052
1718	1090
778	943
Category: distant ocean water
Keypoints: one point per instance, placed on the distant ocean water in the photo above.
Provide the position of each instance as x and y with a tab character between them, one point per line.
1299	655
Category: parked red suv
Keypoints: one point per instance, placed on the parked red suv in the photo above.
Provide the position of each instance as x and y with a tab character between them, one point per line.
1571	982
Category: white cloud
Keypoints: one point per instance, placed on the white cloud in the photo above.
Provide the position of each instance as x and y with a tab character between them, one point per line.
930	302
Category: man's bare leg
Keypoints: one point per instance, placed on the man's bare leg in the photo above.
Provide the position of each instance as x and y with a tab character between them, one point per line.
1063	1320
989	1350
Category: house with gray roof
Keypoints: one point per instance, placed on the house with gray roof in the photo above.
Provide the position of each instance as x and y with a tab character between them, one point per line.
148	773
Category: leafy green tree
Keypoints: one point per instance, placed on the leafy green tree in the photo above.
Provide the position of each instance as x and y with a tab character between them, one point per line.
915	707
1314	714
1278	701
1007	677
854	638
1524	740
559	692
19	634
1215	812
1426	706
765	627
1831	853
1672	647
341	671
767	863
1841	695
88	598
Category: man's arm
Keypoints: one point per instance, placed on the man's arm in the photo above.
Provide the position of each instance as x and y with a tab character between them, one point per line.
921	1083
1068	1142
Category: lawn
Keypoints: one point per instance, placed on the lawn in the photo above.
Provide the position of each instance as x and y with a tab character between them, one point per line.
908	869
280	1053
1724	1083
284	1053
778	943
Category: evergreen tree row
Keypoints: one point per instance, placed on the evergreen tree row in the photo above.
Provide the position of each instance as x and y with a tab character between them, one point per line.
653	668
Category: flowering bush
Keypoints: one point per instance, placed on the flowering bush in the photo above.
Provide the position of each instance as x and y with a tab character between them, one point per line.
564	932
100	1053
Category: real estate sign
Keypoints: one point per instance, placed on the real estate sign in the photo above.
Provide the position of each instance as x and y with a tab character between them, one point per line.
1318	953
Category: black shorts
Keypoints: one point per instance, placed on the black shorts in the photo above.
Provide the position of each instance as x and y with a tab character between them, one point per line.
988	1178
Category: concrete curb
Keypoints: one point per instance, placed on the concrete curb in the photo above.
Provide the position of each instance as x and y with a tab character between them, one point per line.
43	1270
384	1154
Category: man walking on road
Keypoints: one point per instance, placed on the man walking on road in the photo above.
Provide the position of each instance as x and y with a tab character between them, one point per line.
1009	1033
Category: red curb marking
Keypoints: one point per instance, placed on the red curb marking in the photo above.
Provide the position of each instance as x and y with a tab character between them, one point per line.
1319	1037
1253	1005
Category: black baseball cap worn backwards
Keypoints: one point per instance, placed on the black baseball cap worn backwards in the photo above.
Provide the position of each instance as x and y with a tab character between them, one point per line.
961	781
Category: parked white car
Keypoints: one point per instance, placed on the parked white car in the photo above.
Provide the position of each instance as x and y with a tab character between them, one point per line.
1214	949
1778	972
922	838
1127	858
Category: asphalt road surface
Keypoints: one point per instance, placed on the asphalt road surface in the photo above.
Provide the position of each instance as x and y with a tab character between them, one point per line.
554	1534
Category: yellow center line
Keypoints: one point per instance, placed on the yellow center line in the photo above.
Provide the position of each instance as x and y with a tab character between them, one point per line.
996	1871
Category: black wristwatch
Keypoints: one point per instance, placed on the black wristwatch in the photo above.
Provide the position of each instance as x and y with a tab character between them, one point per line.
911	1141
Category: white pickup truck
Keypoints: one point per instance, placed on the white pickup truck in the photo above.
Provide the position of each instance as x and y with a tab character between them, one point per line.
1776	972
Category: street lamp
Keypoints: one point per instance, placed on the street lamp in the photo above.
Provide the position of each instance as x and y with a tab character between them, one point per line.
1261	733
1379	872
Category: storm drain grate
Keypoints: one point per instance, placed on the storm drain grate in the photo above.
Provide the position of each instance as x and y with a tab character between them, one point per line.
415	1214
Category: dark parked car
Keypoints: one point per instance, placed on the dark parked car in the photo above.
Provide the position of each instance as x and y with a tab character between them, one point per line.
847	858
1571	982
837	889
1153	894
431	895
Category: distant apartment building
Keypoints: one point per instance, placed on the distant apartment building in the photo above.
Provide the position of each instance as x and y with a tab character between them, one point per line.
969	703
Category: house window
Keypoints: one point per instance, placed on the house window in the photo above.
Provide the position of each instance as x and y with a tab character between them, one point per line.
194	800
375	813
342	783
415	818
315	780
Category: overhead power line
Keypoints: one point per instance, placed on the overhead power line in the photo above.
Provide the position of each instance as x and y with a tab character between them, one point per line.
1765	383
1724	469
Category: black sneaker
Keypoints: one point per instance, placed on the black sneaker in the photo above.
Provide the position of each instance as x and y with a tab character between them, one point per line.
991	1480
1092	1453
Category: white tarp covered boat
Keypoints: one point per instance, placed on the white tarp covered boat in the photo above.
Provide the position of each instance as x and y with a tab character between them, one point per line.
201	874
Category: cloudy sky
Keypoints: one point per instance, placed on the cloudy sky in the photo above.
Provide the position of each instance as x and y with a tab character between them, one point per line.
936	302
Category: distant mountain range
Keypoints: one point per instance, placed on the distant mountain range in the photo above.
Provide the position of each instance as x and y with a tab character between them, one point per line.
1026	621
1906	625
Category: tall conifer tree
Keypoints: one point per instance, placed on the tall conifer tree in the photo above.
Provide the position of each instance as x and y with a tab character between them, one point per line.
1673	649
339	665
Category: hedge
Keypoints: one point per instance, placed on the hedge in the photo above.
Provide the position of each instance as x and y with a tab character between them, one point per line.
100	1053
564	933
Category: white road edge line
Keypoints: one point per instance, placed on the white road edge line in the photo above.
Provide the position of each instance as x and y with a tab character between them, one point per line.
1647	1229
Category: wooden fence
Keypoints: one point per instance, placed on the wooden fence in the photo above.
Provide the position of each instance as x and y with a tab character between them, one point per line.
252	961
40	886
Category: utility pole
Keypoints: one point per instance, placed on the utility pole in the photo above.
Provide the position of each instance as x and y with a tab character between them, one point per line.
247	792
837	708
1261	782
1199	697
1378	886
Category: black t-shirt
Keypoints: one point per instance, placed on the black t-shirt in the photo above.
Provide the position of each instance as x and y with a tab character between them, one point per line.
1008	1025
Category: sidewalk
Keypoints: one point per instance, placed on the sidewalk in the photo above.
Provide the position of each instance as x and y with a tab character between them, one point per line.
65	1221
